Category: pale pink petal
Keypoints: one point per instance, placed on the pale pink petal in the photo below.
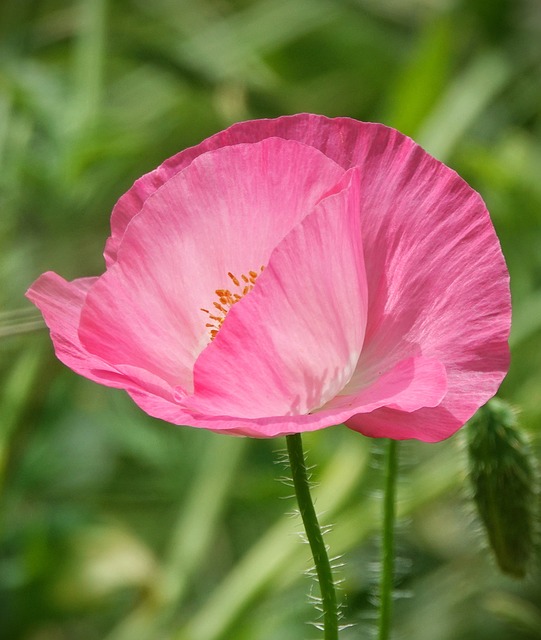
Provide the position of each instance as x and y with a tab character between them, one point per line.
131	203
292	343
340	139
223	214
60	302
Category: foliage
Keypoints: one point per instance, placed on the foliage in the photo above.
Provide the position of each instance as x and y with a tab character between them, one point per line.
116	526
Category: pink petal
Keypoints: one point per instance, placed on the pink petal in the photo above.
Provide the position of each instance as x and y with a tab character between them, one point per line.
411	384
224	213
292	343
437	284
60	303
437	280
131	203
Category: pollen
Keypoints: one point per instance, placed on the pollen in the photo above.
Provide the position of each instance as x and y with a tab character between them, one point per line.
226	298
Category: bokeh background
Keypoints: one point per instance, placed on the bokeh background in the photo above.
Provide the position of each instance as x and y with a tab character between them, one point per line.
116	526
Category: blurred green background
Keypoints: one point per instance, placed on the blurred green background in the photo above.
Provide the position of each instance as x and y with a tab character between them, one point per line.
116	526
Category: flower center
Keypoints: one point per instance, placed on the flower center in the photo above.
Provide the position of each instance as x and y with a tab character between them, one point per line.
227	298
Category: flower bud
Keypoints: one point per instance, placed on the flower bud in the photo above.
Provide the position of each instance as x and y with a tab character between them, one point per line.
503	476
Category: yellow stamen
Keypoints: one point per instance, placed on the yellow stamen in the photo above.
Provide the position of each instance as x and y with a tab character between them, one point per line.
227	298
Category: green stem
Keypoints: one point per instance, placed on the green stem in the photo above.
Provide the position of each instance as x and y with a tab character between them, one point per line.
314	535
387	556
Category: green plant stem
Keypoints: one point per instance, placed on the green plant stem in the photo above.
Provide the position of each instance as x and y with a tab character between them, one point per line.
387	542
314	535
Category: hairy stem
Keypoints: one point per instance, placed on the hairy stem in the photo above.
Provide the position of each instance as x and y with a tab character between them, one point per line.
314	535
387	542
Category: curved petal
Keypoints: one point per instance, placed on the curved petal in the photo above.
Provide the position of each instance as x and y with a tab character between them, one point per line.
426	424
288	127
223	214
60	302
413	383
340	139
438	284
293	342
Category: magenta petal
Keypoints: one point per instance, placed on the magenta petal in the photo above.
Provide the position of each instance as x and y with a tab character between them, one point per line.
294	341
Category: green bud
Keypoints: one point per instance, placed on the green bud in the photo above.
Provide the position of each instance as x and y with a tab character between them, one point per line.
503	475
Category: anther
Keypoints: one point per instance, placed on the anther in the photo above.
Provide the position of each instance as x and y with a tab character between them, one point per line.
219	307
226	299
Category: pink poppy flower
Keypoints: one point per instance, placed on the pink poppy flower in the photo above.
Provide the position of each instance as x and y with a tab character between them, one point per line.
291	274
